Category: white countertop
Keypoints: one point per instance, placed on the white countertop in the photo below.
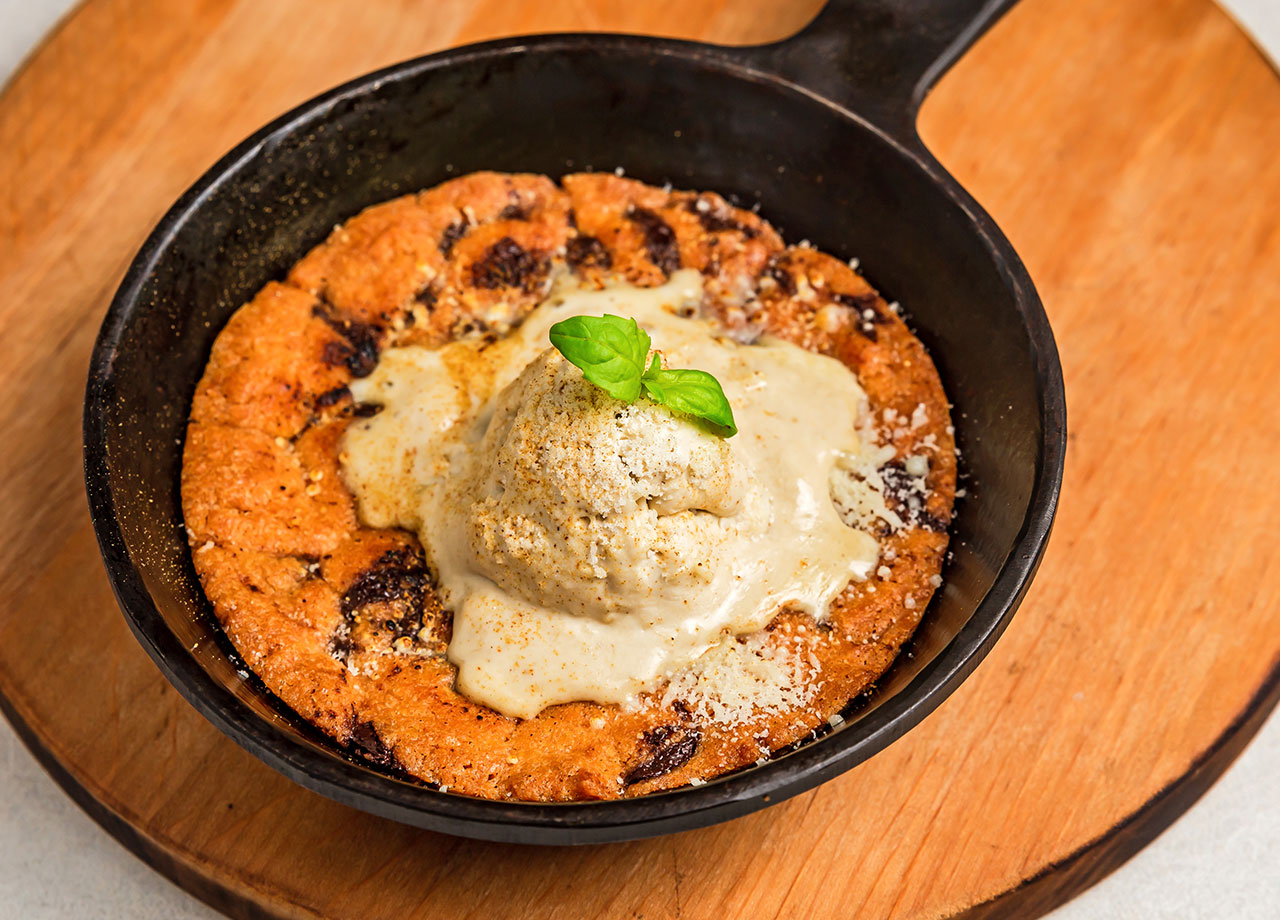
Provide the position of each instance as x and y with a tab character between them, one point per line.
1218	861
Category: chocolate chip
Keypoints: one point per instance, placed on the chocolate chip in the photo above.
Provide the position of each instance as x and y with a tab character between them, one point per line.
898	483
587	252
508	264
930	521
360	359
716	223
717	219
398	579
516	209
906	495
669	747
335	353
332	397
363	358
342	643
452	233
386	602
861	304
473	327
659	238
360	353
365	737
782	278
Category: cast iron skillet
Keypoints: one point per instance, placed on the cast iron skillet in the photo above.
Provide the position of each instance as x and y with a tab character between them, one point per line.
819	129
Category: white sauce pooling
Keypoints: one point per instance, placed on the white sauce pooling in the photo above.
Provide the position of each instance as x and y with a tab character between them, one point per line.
589	549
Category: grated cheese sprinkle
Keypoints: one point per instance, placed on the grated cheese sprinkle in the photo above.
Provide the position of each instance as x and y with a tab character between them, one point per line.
742	678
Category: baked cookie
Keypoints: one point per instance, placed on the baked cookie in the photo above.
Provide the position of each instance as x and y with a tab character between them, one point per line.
343	622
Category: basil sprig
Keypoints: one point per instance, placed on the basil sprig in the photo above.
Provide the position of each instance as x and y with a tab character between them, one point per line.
611	352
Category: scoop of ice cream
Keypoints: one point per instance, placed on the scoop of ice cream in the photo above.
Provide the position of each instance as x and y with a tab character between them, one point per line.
590	549
594	507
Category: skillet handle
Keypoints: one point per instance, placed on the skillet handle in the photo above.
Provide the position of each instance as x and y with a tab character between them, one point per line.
879	58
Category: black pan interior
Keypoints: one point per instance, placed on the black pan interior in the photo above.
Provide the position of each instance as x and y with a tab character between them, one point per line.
664	112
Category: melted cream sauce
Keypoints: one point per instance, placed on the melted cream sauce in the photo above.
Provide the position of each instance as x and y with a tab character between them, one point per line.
567	587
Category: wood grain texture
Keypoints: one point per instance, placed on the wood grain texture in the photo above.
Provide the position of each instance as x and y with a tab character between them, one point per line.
1128	149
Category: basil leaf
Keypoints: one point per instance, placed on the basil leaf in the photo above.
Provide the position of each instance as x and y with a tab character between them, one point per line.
691	392
610	351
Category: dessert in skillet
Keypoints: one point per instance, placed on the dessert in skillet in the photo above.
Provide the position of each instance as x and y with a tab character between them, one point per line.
561	492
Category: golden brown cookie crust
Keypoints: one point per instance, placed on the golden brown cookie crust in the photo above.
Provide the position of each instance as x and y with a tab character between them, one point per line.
342	621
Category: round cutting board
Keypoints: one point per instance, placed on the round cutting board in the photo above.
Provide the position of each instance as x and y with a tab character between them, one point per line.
1128	148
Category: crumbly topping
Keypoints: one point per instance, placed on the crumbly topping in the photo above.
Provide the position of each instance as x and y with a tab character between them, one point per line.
742	678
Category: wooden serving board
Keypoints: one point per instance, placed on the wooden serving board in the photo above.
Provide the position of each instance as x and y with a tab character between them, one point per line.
1129	149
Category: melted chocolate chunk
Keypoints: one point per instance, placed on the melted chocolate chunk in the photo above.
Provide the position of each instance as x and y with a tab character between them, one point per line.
508	264
670	746
335	352
332	397
399	579
426	297
930	521
897	483
906	494
781	277
342	643
715	220
363	358
360	352
861	304
473	327
452	233
516	209
587	252
365	738
659	238
386	602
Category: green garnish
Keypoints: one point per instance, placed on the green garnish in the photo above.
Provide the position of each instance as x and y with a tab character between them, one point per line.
611	351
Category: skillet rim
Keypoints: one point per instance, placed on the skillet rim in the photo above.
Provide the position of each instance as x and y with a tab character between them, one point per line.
577	822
